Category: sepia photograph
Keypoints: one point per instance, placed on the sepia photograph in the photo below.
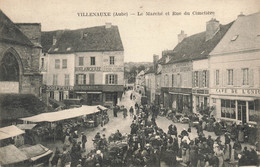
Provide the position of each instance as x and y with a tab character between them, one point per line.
129	83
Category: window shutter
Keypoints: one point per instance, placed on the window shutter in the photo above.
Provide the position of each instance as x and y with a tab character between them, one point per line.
193	79
224	77
235	77
116	79
77	79
207	78
251	77
84	81
215	75
200	79
106	79
172	80
180	80
189	76
175	80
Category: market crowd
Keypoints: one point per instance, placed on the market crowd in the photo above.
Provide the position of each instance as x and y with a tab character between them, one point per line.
147	144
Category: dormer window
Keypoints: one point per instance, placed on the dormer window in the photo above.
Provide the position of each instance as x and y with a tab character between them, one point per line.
234	38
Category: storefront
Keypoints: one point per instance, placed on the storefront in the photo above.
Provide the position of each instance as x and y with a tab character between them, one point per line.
106	95
200	99
239	105
58	93
181	99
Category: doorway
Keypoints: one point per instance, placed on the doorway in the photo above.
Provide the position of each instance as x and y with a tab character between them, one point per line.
241	109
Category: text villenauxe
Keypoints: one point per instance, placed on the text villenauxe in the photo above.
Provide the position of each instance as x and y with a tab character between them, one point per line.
108	14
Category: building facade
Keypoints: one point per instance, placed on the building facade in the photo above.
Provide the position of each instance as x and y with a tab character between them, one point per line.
200	85
86	64
186	71
20	52
235	72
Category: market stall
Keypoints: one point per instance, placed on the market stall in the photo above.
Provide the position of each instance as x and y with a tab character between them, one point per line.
11	135
37	154
12	156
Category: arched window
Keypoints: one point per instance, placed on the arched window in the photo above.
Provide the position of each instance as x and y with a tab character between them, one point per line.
9	68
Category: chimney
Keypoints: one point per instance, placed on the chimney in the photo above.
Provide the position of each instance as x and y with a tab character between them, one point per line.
108	25
212	27
181	36
241	14
155	60
54	40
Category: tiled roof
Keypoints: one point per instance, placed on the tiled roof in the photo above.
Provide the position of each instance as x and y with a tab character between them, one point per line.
47	39
9	32
196	47
243	35
91	39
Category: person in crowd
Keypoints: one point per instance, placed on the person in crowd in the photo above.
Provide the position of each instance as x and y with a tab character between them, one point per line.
131	111
237	148
227	150
219	154
83	141
55	157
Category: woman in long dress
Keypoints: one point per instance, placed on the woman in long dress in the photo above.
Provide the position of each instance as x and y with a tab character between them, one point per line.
219	153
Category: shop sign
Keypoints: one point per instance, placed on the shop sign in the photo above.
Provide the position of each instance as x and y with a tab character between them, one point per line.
9	87
235	91
61	88
113	69
181	90
200	91
83	69
88	87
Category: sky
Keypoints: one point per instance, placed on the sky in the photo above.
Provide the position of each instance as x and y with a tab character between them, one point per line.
142	36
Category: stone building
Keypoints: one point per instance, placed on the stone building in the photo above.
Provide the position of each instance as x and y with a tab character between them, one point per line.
235	72
20	52
86	64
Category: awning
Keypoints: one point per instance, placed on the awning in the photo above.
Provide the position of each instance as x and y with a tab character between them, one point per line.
10	131
94	92
11	155
81	92
35	152
63	115
102	107
26	126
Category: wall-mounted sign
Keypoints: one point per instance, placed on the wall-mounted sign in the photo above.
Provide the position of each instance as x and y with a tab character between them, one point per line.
61	88
235	91
82	69
88	87
113	69
9	87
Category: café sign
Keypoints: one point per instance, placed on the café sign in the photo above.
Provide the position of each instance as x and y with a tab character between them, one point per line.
61	88
235	91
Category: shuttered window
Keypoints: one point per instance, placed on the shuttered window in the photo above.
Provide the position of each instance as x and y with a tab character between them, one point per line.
92	61
81	61
57	63
196	79
67	79
81	79
173	80
245	76
217	77
111	79
230	77
64	63
55	79
91	79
